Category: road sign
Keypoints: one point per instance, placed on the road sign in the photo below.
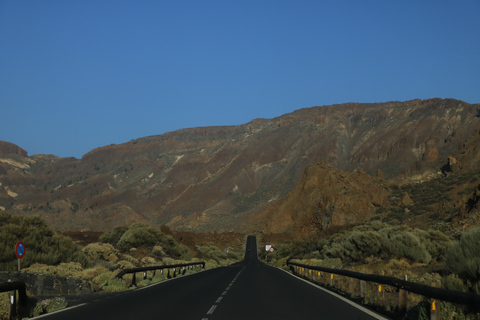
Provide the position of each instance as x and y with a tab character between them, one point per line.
272	249
267	247
20	250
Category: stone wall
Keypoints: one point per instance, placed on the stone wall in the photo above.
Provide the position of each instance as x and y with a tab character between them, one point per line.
44	284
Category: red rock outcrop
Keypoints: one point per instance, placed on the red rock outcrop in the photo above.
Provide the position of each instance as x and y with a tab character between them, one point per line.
324	197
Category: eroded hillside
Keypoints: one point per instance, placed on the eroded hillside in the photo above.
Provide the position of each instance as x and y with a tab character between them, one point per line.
214	178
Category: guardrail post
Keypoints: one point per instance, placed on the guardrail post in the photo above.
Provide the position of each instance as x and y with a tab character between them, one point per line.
381	292
381	295
134	280
351	287
363	287
402	299
12	310
435	309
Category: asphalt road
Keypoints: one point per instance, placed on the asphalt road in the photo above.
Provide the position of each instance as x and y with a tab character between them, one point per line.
246	290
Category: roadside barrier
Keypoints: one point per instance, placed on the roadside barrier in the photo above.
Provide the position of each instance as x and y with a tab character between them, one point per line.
12	287
177	268
434	292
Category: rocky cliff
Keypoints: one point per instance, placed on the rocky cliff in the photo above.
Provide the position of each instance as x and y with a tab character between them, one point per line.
10	148
214	178
324	197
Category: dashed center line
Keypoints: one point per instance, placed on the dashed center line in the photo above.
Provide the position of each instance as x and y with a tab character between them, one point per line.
212	309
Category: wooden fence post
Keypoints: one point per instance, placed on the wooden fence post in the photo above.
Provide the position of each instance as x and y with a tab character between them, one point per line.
435	308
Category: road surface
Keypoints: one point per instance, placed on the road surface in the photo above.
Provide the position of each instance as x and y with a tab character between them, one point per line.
246	290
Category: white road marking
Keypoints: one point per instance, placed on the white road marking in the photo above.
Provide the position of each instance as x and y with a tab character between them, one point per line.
212	309
219	299
367	311
224	293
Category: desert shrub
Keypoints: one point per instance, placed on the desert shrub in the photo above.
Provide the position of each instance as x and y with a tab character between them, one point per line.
452	282
49	305
449	311
148	261
41	243
179	251
158	277
158	252
356	246
406	244
210	264
419	311
101	251
144	283
383	241
212	253
436	243
115	285
463	258
138	235
91	273
232	255
299	248
131	259
72	269
124	264
103	278
114	236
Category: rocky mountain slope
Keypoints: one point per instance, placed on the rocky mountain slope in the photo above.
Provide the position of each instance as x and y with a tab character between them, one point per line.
217	178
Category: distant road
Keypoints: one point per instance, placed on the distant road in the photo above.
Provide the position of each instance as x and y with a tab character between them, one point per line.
246	290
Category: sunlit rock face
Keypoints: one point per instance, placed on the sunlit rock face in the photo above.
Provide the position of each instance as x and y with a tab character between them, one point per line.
224	178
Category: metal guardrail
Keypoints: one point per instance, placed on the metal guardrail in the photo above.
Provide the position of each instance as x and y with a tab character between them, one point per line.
22	295
464	298
182	266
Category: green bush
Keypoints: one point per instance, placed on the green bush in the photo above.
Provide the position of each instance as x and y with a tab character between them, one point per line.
100	251
158	277
406	244
138	235
42	245
115	285
452	282
356	246
436	243
381	240
463	258
212	253
114	236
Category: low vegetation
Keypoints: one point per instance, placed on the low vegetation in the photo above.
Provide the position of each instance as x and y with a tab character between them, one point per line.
379	248
125	247
463	259
42	245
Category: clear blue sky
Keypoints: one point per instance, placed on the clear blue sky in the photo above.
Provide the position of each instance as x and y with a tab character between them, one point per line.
76	75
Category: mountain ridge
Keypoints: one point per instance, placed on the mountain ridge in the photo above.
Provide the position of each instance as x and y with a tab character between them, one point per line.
216	178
